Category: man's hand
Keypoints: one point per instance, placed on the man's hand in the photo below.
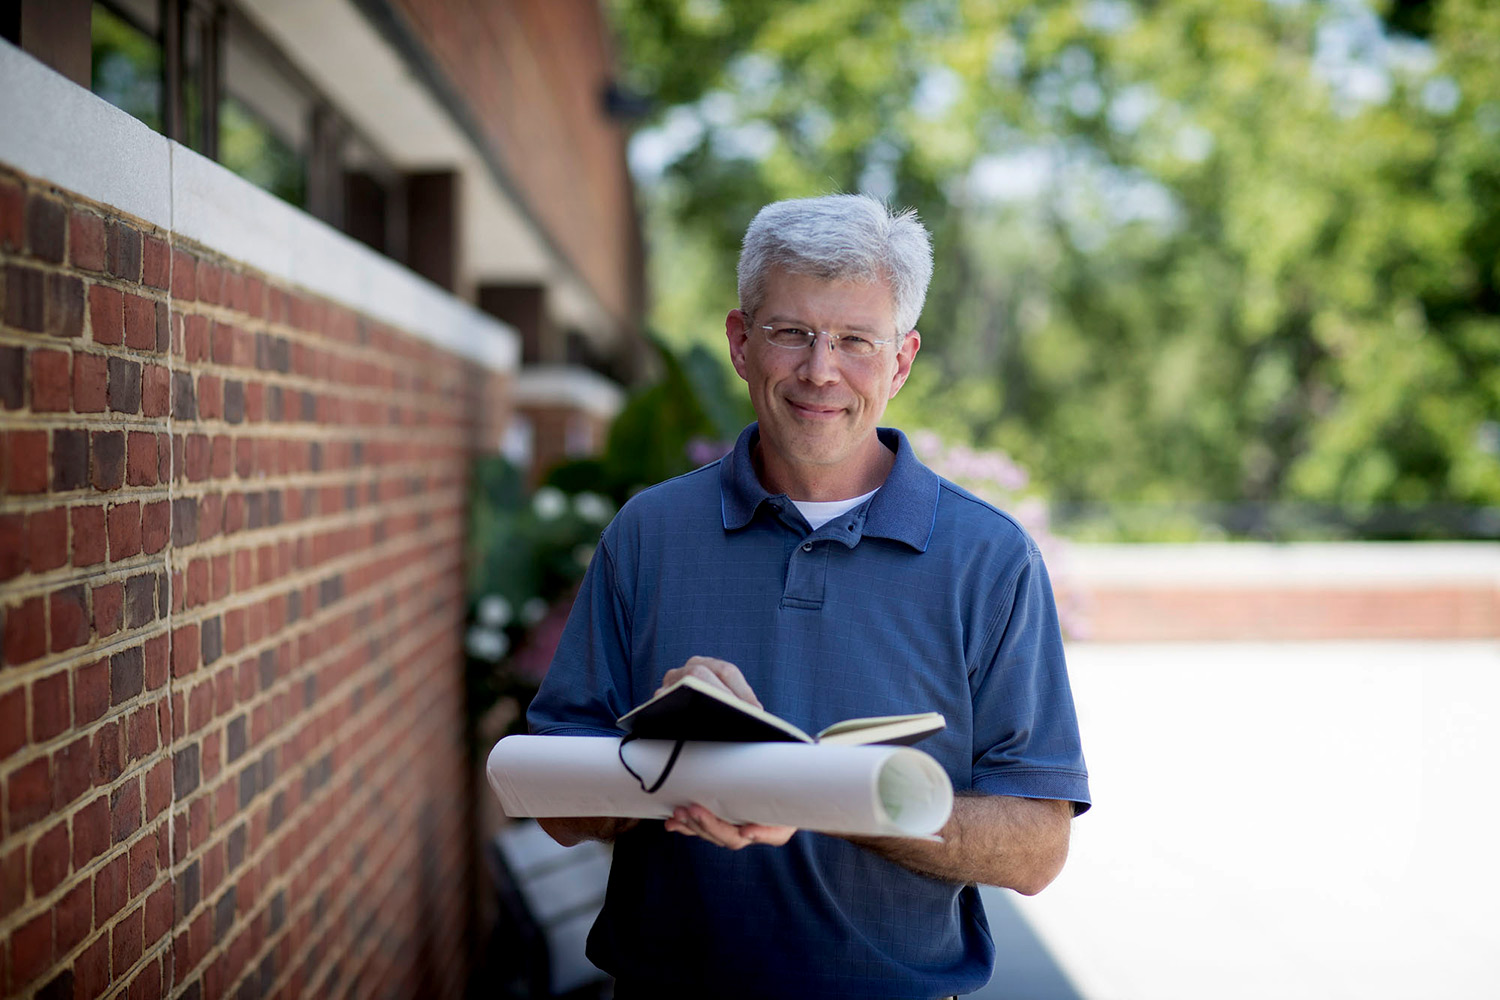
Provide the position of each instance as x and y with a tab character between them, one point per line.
720	673
695	820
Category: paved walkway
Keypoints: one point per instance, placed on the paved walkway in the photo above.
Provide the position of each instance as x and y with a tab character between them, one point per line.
1293	820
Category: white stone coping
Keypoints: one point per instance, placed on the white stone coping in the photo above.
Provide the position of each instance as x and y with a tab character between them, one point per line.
1223	565
568	385
59	132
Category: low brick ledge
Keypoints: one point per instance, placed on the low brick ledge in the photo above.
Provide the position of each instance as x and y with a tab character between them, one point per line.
1252	591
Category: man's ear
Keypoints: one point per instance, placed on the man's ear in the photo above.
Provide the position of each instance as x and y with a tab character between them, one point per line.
737	329
910	345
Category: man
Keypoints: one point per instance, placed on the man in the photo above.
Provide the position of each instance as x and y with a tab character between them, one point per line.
821	570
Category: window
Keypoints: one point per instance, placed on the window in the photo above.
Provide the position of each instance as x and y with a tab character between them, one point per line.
200	72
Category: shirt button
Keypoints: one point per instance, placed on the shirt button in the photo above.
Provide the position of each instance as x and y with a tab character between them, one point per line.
807	547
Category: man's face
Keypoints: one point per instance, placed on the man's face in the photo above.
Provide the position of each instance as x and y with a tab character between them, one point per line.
818	409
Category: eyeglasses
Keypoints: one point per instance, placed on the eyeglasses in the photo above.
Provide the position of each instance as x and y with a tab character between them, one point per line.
797	338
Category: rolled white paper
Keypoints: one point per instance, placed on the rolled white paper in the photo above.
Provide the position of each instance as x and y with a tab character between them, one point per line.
863	790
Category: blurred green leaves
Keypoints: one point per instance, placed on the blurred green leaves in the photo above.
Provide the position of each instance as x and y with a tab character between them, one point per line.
1189	252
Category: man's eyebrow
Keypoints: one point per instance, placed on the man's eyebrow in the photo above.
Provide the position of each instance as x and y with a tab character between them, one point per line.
776	318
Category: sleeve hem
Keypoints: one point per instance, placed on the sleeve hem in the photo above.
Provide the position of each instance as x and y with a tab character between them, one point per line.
1037	783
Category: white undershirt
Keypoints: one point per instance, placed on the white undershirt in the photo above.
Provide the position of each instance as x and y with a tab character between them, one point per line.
820	512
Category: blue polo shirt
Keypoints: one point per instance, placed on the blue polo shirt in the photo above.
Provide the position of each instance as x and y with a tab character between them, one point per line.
923	598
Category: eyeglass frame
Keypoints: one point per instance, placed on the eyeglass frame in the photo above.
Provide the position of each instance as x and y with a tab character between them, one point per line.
834	339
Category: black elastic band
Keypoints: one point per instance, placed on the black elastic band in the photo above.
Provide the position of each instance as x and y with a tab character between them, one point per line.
664	771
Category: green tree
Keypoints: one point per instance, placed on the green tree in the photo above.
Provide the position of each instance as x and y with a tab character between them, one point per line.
1206	251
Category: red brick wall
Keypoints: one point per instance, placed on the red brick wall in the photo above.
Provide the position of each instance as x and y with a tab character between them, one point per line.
533	73
231	717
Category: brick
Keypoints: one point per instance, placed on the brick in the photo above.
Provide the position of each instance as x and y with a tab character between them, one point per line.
157	650
50	857
13	540
184	521
142	864
70	459
124	385
28	794
46	541
90	383
109	608
185	771
46	228
72	772
12	377
158	788
140	600
25	631
26	465
12	888
196	455
87	244
123	250
51	381
140	459
234	401
91	969
90	535
65	303
184	275
91	831
108	760
156	526
156	263
12	722
125	940
210	397
91	691
25	298
51	709
126	674
124	530
125	811
75	917
69	612
107	457
12	220
110	888
106	314
212	636
184	402
156	391
185	651
31	949
197	338
221	461
140	322
197	583
164	458
144	736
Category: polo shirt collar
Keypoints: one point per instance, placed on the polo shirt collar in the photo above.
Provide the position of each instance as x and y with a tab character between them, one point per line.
904	509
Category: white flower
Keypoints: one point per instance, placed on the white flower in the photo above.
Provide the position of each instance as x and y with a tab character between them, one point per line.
549	503
533	611
592	507
493	611
486	643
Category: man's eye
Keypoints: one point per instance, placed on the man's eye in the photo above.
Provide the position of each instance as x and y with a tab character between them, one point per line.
856	343
792	333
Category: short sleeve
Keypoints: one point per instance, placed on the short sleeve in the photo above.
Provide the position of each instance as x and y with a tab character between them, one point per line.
1025	727
587	687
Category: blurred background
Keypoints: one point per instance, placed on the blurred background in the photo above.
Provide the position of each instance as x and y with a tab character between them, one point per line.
1216	314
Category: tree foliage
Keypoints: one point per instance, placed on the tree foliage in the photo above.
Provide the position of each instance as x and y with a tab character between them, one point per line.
1203	251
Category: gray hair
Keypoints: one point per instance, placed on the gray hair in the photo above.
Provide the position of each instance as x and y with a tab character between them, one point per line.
840	237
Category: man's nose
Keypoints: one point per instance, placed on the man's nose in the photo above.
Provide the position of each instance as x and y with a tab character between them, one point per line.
822	361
